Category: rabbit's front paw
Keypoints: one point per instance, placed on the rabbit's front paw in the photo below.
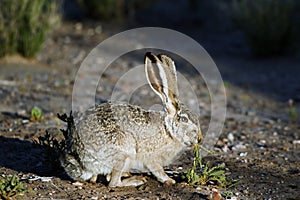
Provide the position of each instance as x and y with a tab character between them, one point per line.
134	181
131	181
169	182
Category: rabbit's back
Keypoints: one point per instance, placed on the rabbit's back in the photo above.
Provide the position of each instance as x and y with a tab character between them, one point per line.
104	122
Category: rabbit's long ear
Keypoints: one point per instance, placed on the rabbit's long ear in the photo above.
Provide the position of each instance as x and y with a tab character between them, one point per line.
161	76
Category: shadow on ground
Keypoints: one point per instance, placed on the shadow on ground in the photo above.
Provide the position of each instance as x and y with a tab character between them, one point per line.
27	157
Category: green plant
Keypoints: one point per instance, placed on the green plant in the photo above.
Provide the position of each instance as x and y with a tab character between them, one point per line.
36	114
11	187
204	175
113	9
271	26
24	25
227	194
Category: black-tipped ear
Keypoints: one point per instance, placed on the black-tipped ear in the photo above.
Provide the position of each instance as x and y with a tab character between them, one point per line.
149	55
152	74
161	76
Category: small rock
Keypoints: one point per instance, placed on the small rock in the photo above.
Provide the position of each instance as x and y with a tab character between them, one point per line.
239	147
21	112
230	137
219	143
255	120
243	154
25	121
245	192
225	148
98	29
78	26
225	140
77	183
296	142
67	40
250	113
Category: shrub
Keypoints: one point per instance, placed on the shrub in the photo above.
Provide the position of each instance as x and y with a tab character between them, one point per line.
112	9
24	25
271	26
104	9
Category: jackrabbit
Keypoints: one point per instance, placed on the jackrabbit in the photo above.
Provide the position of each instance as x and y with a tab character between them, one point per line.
114	139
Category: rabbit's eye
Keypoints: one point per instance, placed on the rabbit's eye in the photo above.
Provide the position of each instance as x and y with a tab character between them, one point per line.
183	118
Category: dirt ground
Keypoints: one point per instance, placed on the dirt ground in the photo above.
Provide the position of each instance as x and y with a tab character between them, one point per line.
259	145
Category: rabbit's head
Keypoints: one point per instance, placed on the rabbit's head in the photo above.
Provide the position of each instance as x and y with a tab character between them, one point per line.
180	122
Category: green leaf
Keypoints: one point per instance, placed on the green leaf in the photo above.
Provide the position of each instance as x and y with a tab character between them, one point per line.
217	173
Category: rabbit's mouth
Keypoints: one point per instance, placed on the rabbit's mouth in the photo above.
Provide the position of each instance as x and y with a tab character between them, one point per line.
192	138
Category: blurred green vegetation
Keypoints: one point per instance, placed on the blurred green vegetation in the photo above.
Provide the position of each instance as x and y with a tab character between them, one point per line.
24	25
113	9
104	9
272	27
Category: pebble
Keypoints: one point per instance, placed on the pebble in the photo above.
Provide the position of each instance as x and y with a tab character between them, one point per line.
78	26
230	137
243	154
255	120
40	178
21	112
296	142
262	141
67	40
250	113
98	29
77	183
245	192
225	148
239	147
219	143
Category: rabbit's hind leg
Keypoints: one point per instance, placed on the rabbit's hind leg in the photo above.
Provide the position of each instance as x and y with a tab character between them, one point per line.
118	171
93	179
